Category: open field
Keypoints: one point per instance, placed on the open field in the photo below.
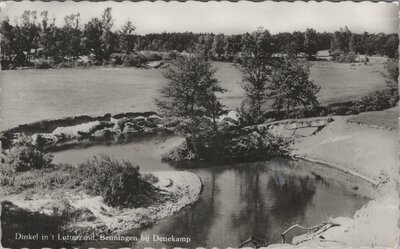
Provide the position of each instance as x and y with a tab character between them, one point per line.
48	94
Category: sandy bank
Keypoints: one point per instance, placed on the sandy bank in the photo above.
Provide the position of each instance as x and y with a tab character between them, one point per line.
180	188
367	153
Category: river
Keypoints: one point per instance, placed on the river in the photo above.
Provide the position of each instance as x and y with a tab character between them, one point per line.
238	200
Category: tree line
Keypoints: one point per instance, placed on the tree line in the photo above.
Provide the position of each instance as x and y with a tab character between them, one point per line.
35	35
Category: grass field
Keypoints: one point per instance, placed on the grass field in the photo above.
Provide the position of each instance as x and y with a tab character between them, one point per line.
31	95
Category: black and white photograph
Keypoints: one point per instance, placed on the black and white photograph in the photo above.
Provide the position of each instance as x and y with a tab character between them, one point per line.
196	124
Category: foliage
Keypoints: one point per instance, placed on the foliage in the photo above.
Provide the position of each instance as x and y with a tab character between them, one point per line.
120	183
61	207
380	100
39	179
190	92
238	144
133	60
342	57
24	156
42	64
36	35
310	42
126	38
341	40
256	70
392	67
107	37
291	86
92	33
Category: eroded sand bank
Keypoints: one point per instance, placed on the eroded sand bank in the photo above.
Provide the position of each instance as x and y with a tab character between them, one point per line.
182	188
367	153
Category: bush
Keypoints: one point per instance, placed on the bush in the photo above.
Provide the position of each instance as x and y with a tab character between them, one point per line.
65	64
342	57
61	207
120	183
236	144
24	156
173	55
392	66
133	60
380	100
42	64
151	56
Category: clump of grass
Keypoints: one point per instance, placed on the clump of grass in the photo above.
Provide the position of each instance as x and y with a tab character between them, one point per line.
26	167
118	182
61	207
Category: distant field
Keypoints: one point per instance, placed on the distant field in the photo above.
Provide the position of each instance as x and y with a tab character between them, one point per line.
342	82
31	95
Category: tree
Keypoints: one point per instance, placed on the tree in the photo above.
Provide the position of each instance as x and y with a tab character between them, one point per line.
46	34
291	86
297	45
257	64
341	40
204	45
232	46
352	43
107	35
73	34
92	33
391	46
126	38
28	32
310	42
218	46
7	40
191	92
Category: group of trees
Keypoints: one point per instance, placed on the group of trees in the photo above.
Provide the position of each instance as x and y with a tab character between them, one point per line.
36	35
190	97
365	43
285	79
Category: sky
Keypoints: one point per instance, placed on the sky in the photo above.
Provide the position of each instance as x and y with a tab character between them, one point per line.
226	17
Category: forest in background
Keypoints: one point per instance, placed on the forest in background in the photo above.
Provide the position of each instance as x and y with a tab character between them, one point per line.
35	40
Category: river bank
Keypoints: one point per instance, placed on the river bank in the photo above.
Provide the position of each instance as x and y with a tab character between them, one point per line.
179	189
366	152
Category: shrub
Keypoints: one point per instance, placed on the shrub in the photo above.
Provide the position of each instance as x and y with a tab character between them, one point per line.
80	63
61	207
133	60
236	144
42	64
392	66
151	56
24	156
173	55
342	57
65	64
120	183
380	100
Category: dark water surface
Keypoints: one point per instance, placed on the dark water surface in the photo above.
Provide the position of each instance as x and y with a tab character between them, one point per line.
238	200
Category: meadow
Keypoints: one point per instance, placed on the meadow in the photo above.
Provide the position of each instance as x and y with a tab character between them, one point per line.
32	95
